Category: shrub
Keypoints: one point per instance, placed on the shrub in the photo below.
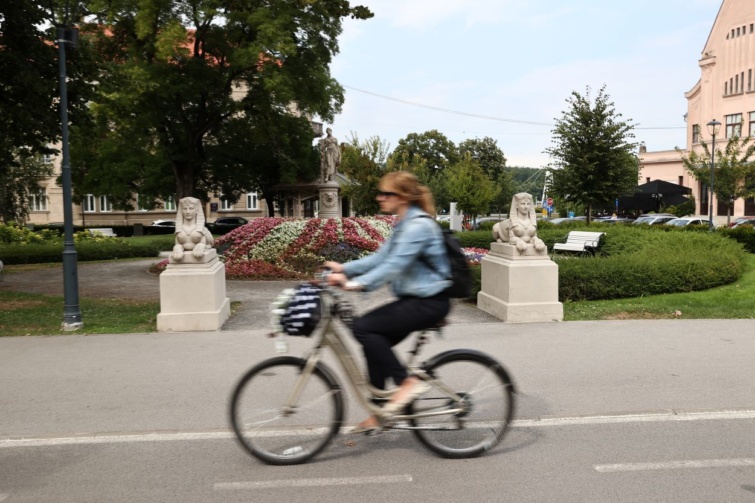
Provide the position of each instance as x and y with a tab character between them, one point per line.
635	262
89	249
13	234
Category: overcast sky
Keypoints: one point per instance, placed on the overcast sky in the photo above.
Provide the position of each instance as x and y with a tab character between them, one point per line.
517	62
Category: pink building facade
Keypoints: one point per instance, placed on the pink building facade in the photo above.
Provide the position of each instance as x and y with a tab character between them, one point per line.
725	92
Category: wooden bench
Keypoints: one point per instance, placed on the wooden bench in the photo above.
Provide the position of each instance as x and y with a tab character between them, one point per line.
579	241
105	231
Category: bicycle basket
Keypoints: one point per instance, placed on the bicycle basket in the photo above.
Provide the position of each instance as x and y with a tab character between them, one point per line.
298	311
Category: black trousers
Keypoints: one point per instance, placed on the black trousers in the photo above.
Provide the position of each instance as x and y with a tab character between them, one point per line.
381	329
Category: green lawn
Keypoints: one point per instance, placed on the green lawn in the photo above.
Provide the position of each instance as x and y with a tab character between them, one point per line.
34	314
736	300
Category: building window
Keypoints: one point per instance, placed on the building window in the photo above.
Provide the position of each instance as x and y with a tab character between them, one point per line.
752	123
252	202
726	88
749	80
142	203
47	158
105	204
733	125
170	204
88	203
681	180
696	133
38	201
225	204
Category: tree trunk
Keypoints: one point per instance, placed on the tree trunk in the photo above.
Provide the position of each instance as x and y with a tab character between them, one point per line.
185	185
589	213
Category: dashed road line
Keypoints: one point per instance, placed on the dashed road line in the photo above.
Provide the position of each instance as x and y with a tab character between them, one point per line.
675	465
323	482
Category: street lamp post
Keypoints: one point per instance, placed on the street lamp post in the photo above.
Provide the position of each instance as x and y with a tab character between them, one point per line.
713	127
66	35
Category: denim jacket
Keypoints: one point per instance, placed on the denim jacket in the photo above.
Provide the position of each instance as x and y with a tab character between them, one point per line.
413	259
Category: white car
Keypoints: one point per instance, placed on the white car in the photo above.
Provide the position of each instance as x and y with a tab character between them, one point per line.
680	222
164	223
656	219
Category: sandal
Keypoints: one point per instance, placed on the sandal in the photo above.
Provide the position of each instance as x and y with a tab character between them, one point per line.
417	389
369	426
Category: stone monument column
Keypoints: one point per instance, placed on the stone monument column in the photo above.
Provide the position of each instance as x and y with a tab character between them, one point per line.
330	159
330	204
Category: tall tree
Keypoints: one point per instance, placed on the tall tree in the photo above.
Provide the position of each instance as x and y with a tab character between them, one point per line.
28	65
364	162
492	161
470	187
592	155
194	90
734	170
432	146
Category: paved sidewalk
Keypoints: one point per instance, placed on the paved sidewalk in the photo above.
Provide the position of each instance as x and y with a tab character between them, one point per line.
131	279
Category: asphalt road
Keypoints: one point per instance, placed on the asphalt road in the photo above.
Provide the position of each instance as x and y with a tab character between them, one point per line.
608	411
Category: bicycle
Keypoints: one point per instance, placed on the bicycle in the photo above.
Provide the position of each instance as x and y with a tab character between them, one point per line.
285	410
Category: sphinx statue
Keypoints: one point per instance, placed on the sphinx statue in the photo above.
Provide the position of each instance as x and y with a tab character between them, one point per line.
520	229
191	234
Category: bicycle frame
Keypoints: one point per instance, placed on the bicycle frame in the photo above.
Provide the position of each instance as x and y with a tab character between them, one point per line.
331	335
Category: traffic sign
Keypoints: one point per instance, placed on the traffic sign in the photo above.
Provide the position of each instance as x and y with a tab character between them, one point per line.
549	201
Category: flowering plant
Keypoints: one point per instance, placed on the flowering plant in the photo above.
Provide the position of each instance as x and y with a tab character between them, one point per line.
475	255
289	248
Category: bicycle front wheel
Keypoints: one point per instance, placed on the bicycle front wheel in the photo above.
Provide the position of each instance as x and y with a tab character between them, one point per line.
474	423
276	431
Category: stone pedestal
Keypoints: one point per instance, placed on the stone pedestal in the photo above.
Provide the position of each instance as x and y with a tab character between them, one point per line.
519	287
330	205
192	294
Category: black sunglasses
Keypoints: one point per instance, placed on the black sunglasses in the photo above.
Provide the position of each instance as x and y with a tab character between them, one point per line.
383	193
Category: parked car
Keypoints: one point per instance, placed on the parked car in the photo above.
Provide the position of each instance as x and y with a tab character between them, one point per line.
163	223
556	221
655	219
617	220
494	220
680	222
743	222
222	225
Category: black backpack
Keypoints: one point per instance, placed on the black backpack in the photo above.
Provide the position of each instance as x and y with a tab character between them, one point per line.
461	276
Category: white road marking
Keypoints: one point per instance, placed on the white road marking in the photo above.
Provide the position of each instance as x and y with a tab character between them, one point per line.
339	481
116	438
675	465
662	416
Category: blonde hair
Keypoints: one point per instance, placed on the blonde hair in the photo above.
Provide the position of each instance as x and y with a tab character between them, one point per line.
408	186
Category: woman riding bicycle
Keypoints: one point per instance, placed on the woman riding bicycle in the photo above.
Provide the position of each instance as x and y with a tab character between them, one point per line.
414	261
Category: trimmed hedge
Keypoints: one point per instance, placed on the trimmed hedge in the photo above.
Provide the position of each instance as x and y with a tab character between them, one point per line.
85	250
634	261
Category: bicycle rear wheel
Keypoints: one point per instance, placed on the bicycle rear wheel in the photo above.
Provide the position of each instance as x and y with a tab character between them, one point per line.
475	424
285	436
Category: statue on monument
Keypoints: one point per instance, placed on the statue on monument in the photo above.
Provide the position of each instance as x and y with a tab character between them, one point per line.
520	230
330	156
191	234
